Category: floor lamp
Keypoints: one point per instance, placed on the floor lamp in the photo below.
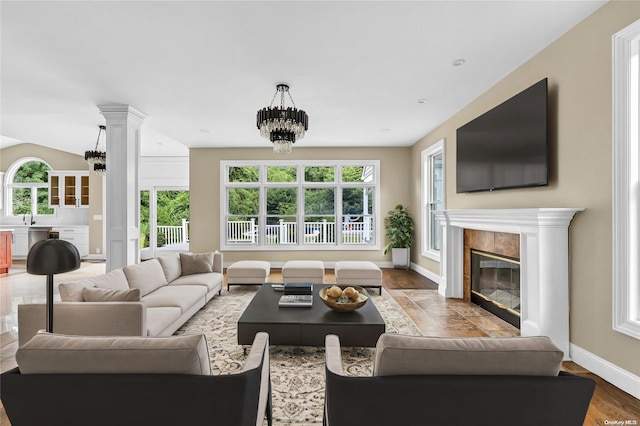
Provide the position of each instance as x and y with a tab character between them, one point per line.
49	257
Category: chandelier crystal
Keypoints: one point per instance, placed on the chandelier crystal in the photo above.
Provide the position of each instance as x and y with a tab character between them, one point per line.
100	168
97	156
282	126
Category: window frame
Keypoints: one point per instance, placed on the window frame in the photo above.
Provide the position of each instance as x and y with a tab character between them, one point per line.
301	185
9	186
427	170
626	181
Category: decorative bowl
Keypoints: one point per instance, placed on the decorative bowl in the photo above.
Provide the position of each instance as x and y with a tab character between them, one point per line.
344	304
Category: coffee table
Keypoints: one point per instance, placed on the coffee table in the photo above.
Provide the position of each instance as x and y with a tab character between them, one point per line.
308	326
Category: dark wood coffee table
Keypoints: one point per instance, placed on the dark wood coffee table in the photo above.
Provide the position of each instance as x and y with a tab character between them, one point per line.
308	326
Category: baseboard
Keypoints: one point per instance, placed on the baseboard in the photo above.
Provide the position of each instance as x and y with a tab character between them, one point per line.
426	273
613	374
94	257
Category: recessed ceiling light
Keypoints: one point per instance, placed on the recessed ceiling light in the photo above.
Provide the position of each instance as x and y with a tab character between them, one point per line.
423	100
384	130
458	62
204	131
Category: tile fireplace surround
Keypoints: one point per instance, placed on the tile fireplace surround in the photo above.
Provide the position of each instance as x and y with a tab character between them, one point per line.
544	262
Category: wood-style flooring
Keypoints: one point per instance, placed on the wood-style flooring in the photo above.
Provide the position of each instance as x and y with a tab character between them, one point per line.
437	316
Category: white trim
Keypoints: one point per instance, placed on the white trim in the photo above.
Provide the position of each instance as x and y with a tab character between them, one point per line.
613	374
626	235
427	174
426	273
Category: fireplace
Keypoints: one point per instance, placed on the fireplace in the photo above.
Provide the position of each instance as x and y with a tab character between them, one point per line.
495	285
543	244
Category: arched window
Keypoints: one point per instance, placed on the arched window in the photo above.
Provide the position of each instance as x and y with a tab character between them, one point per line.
27	188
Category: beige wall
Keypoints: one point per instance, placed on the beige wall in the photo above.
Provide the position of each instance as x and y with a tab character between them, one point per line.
62	160
205	196
578	66
58	160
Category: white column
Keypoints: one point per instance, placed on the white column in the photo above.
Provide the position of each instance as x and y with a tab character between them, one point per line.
123	196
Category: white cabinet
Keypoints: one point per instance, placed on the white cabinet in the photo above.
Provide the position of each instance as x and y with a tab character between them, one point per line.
76	235
20	247
69	189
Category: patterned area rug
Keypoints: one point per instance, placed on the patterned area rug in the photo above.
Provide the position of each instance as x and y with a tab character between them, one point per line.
297	373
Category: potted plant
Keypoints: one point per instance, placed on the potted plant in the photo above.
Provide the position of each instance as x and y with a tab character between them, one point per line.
399	230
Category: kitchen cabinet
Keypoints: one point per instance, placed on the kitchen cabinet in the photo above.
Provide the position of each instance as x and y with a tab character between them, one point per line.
69	189
20	247
76	235
6	243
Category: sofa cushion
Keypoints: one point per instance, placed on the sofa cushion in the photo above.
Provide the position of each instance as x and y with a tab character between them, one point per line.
159	318
171	266
107	295
183	297
196	263
48	353
525	356
211	280
72	291
147	276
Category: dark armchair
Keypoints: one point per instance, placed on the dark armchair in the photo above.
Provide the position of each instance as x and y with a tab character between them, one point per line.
71	380
428	381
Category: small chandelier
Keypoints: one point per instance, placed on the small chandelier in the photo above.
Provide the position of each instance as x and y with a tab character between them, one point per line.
100	168
281	125
97	156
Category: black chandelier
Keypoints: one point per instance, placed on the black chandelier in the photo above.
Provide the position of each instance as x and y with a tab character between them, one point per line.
281	125
97	157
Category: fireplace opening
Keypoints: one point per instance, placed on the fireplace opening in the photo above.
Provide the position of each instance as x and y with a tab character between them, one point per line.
495	285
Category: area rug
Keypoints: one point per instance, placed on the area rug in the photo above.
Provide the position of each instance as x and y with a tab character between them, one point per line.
297	372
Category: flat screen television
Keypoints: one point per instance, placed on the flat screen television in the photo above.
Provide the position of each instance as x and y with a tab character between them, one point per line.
506	147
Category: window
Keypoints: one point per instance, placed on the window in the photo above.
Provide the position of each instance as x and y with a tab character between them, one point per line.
291	206
27	188
626	181
432	199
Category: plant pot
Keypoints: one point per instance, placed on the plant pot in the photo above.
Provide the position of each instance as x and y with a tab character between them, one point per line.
400	258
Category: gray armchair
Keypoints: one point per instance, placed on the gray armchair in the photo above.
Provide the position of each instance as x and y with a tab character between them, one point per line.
71	380
430	381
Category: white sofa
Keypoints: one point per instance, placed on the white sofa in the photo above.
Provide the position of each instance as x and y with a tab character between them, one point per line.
152	298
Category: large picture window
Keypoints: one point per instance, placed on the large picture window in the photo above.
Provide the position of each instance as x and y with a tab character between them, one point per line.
290	205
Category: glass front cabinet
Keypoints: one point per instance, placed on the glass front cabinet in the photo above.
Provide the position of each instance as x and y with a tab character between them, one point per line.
69	189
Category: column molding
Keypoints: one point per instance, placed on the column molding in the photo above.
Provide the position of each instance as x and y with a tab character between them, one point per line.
123	124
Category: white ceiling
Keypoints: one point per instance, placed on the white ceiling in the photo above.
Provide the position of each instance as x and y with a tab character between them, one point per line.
201	69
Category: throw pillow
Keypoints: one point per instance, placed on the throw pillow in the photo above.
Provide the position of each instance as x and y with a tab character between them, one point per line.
196	263
110	295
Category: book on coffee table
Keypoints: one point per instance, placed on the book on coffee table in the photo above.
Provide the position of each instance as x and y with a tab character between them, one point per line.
296	301
298	288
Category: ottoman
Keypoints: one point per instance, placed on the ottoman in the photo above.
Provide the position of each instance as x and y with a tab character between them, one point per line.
248	272
303	271
356	272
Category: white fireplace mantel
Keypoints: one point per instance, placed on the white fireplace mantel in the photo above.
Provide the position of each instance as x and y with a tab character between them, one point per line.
544	262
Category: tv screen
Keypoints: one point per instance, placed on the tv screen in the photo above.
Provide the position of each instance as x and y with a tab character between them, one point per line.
505	147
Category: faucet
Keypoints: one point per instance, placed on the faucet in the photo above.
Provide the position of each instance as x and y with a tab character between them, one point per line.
33	222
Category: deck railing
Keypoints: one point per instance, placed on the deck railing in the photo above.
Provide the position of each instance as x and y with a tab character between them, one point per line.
286	233
175	234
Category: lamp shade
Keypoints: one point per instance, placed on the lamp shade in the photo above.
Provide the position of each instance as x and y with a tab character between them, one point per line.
51	256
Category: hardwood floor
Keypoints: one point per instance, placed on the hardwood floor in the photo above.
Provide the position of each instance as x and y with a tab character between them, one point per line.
437	316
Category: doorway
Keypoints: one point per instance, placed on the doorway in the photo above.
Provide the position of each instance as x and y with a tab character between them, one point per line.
164	221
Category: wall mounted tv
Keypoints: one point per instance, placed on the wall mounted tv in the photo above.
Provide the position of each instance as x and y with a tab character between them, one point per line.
506	147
